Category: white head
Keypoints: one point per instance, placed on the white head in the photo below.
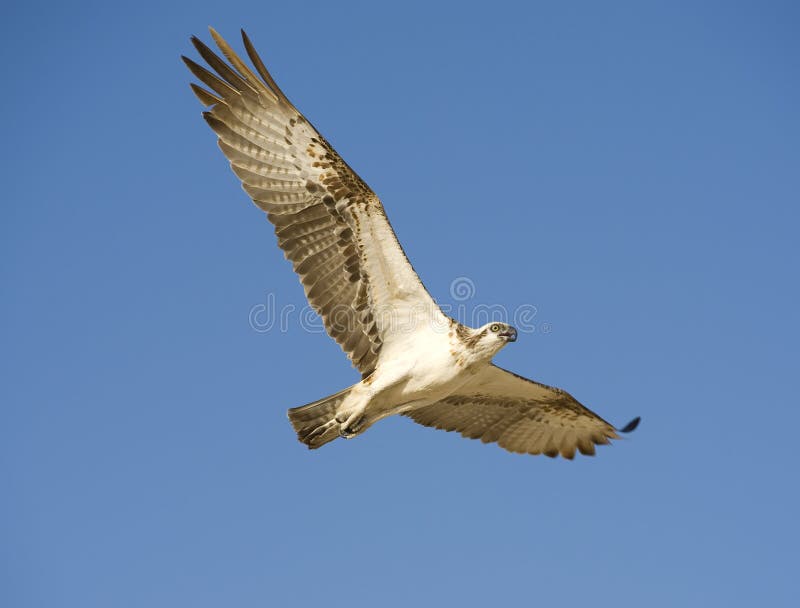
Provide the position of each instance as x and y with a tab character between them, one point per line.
486	341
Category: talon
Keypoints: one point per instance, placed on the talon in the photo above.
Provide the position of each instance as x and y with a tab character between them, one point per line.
351	426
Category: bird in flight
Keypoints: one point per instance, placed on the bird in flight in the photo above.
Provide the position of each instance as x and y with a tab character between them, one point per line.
414	360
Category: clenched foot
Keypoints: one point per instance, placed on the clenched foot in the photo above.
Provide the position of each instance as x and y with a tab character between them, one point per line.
350	423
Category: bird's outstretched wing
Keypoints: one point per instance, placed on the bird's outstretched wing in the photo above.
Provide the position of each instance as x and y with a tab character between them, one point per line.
520	415
329	223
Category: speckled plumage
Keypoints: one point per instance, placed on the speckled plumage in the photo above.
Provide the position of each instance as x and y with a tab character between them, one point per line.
333	229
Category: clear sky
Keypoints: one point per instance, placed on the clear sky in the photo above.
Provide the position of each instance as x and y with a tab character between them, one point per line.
629	169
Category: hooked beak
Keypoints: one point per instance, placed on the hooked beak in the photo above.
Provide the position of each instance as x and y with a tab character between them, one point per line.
510	335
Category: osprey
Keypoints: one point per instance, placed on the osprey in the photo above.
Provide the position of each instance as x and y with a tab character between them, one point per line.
413	359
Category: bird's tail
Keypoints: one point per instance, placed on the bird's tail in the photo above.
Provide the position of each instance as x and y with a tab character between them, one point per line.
315	423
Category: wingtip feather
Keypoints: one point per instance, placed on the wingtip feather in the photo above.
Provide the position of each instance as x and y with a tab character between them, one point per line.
213	82
631	426
262	69
206	98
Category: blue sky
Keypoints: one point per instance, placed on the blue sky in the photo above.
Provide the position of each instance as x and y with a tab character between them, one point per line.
629	168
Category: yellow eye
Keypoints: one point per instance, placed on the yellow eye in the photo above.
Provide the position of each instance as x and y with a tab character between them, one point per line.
495	328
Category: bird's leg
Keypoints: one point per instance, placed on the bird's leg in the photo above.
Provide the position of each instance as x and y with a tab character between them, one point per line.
351	422
361	408
351	415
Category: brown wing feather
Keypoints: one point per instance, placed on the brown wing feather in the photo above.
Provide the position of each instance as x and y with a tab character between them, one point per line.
318	205
519	415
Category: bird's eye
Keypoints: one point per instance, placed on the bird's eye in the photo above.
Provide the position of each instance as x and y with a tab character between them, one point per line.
495	328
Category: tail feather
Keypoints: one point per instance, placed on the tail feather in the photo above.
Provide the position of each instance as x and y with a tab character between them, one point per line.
315	423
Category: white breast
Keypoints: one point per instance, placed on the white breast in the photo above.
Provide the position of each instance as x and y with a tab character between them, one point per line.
422	365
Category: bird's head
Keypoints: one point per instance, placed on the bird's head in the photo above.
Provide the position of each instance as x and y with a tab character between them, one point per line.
490	338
